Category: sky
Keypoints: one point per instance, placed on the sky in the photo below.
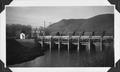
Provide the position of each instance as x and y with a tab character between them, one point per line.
37	15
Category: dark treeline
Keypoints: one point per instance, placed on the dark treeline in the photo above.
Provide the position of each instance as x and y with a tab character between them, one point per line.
13	30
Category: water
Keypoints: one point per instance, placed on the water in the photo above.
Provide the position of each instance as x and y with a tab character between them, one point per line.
63	58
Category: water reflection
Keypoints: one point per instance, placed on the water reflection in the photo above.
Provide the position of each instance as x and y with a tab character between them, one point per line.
71	59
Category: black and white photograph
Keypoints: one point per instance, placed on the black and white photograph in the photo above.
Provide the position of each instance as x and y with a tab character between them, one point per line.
60	36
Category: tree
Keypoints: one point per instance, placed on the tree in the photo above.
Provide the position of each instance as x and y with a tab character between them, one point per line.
13	30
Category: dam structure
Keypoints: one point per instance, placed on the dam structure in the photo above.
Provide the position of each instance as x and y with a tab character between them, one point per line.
89	41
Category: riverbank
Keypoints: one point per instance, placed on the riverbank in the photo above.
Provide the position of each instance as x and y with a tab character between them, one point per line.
18	51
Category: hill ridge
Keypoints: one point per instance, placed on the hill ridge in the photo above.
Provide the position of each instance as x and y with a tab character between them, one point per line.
103	22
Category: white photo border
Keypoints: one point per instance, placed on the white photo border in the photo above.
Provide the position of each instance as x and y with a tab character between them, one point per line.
71	3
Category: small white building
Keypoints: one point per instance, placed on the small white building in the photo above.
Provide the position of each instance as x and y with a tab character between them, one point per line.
22	36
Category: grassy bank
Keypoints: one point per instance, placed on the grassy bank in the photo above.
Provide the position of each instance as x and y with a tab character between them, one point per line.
18	51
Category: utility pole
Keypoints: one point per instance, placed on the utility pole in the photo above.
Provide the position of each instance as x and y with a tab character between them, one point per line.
44	24
44	27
